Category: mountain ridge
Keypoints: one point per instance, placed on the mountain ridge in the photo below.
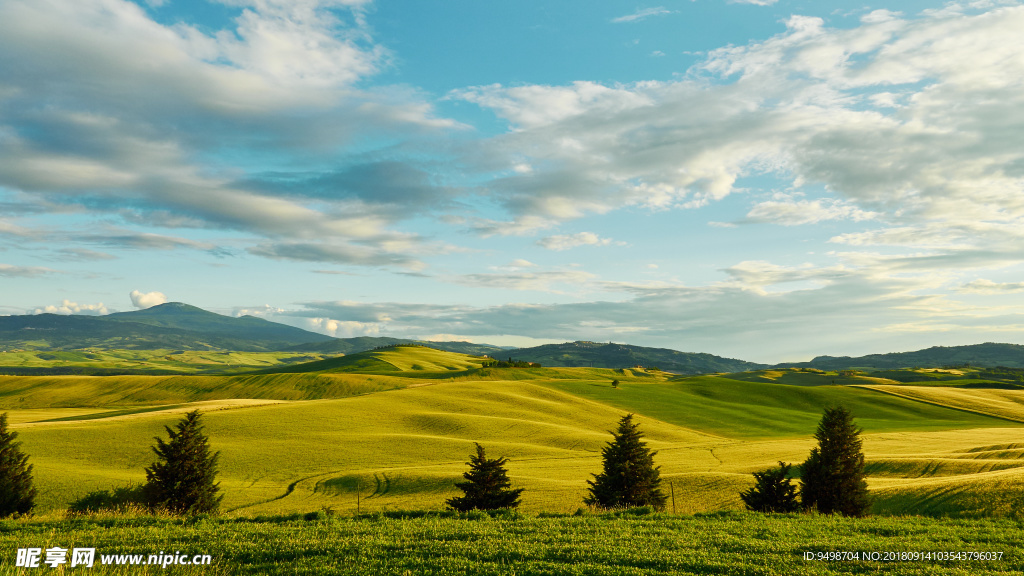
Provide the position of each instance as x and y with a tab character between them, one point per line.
176	325
988	354
172	325
598	355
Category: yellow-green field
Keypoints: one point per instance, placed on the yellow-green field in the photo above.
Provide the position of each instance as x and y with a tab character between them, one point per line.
398	439
1008	404
175	360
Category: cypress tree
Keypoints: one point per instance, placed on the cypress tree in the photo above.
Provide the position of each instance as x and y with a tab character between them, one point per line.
17	495
772	492
629	477
182	480
833	474
487	486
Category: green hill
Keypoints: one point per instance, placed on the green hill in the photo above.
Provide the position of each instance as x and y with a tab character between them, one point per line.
599	355
387	360
989	354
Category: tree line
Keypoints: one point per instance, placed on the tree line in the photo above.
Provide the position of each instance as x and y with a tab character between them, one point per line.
182	479
832	477
510	363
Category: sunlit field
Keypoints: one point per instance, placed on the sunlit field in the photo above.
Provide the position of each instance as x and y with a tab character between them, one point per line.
392	429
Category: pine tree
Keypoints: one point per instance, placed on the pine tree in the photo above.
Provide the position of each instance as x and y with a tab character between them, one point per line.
182	481
17	495
772	492
487	486
630	477
833	475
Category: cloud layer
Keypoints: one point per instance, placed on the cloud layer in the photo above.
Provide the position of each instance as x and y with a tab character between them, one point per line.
862	179
107	113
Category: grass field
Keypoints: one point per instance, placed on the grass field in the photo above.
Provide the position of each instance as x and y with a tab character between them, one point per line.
747	409
392	429
1008	404
516	544
189	361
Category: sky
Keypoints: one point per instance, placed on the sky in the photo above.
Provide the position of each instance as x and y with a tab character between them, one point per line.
768	180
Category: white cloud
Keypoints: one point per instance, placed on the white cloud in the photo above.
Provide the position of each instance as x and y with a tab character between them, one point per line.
641	14
789	212
258	311
147	300
754	2
11	271
983	286
141	117
757	274
916	124
567	241
67	307
338	253
342	328
537	106
881	15
554	281
731	318
525	226
82	254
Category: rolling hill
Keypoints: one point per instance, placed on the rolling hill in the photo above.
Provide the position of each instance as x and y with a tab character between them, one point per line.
395	426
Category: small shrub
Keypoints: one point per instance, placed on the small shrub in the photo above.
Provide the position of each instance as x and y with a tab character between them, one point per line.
129	498
487	486
772	492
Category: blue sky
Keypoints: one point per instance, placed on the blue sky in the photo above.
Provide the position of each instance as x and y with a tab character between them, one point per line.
762	180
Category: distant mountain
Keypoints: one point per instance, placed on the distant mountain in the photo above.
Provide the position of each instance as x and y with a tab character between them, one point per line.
987	355
363	343
599	355
173	325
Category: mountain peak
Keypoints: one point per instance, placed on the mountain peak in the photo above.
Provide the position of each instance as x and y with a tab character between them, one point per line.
174	308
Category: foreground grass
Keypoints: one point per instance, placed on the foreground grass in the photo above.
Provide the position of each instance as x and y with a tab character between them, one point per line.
439	543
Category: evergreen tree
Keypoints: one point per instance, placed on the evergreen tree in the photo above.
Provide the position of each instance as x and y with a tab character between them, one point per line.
772	492
487	486
833	475
182	480
630	477
17	495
